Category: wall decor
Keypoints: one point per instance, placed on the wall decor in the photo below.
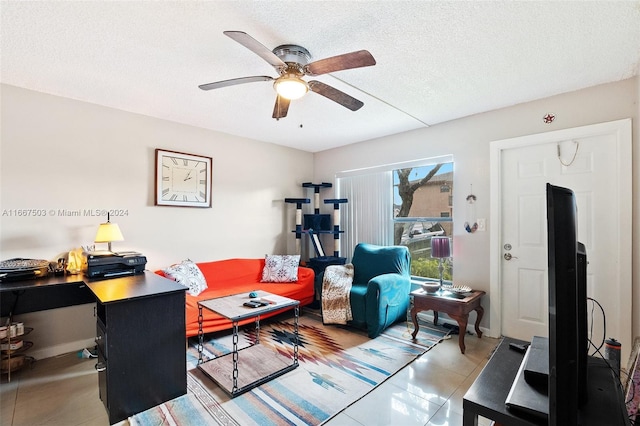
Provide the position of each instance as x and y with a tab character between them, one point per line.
549	118
471	213
182	180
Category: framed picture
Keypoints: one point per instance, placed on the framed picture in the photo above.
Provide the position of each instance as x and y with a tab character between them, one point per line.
182	180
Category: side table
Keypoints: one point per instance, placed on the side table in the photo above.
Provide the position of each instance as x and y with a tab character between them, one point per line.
452	304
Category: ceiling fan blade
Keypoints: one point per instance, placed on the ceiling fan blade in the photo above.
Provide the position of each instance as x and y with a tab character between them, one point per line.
361	58
256	47
234	81
335	95
281	108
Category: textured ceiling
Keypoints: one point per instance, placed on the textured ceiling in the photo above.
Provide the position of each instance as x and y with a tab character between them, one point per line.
436	61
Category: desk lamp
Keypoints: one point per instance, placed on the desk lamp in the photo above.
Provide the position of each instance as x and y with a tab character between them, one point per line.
440	249
108	232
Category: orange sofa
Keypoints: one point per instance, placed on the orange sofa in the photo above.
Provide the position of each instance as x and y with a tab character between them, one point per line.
232	276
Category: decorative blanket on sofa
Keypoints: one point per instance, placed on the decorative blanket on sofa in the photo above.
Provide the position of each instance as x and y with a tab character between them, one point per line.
336	286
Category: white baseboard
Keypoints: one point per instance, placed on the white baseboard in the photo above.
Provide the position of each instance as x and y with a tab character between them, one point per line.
65	348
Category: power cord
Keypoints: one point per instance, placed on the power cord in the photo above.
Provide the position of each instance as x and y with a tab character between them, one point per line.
629	376
604	325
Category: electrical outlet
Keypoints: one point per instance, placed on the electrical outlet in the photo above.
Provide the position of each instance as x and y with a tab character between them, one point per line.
482	224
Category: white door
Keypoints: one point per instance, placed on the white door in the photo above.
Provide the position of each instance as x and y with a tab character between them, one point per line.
593	162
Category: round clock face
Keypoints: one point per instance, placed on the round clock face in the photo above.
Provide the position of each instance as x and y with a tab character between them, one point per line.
184	179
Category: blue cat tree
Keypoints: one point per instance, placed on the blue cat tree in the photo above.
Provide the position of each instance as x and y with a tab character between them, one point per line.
315	225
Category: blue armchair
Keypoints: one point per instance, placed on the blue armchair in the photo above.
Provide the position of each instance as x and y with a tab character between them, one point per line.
381	286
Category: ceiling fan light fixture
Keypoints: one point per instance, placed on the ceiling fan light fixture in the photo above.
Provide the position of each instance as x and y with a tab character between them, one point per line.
291	87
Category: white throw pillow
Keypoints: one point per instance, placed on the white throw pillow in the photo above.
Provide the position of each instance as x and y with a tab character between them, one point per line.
189	275
280	268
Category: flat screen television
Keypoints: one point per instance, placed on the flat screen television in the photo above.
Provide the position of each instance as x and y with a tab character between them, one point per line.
568	340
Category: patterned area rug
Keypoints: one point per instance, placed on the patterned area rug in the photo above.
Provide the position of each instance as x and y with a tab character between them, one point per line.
337	366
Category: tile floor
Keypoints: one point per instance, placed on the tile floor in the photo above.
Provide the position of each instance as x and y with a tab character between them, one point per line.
63	390
428	391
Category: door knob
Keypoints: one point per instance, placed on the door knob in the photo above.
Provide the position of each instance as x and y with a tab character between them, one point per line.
508	256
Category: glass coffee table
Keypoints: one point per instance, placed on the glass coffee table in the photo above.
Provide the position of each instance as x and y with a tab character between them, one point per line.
244	369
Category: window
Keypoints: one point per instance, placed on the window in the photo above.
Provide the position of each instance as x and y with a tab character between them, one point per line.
422	209
377	214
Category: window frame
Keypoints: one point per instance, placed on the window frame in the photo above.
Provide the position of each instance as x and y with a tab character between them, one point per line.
422	219
368	215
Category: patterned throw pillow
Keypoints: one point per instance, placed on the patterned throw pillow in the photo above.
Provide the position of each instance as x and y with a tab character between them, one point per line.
187	274
280	268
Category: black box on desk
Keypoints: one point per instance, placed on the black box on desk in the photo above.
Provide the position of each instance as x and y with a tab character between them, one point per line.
115	264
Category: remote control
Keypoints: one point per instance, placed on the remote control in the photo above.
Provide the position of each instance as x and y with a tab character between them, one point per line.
519	348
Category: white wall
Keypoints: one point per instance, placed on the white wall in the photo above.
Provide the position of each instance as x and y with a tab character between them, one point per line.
58	153
468	140
62	154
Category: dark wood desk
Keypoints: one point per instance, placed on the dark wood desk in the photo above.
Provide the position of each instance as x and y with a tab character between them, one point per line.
140	333
21	297
486	396
141	342
456	306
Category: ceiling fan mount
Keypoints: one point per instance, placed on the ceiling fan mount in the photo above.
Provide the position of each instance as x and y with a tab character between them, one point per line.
292	62
292	54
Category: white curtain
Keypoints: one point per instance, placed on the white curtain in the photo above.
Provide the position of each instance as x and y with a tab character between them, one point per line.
367	217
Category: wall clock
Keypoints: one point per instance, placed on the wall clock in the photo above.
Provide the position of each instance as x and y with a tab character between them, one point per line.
182	180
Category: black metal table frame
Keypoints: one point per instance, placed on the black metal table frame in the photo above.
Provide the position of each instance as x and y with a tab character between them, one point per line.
235	391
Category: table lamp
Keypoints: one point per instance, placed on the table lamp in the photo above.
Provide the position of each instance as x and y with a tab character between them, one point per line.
440	249
108	232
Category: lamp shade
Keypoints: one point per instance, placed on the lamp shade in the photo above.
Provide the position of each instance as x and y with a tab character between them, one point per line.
291	87
108	232
440	247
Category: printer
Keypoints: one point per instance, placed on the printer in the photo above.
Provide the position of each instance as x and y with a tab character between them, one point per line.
107	264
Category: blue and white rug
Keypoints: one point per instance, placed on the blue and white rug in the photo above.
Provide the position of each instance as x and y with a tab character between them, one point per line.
337	366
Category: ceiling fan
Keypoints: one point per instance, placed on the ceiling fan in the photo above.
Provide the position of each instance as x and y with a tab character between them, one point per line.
292	63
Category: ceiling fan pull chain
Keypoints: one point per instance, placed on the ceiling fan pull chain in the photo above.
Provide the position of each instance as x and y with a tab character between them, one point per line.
574	155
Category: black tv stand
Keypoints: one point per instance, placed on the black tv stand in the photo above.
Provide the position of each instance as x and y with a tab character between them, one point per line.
486	397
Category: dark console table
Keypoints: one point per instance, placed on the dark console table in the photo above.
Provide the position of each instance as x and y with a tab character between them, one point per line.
140	335
486	397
